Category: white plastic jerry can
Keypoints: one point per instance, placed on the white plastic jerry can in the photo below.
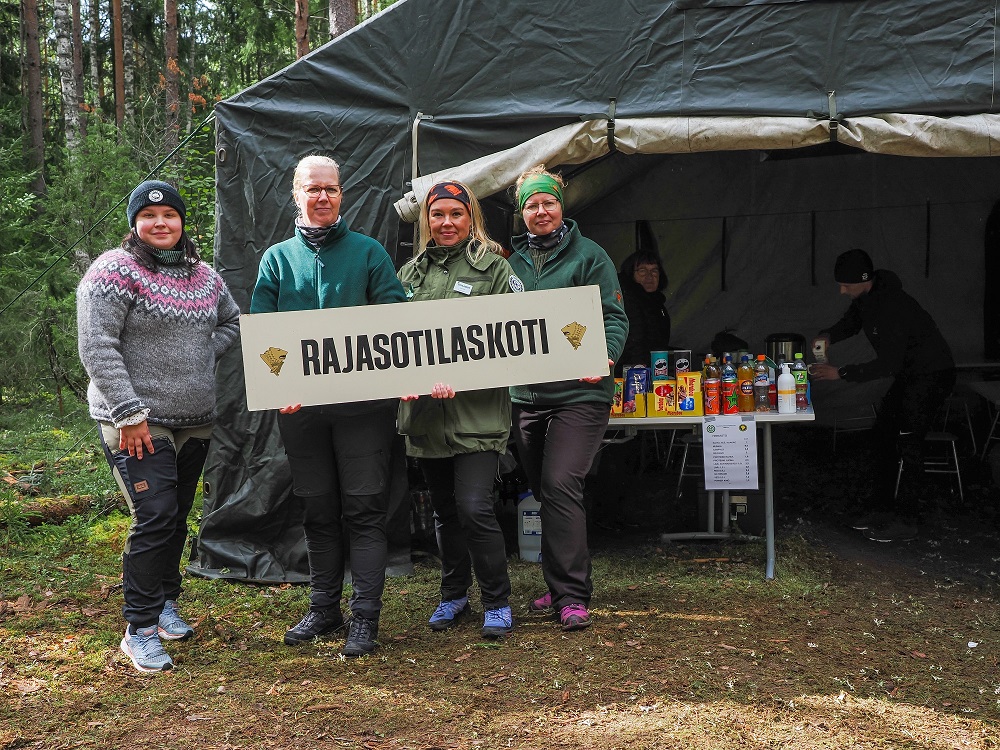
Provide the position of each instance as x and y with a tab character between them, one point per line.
529	514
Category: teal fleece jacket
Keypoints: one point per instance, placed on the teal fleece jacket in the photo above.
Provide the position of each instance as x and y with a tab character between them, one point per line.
576	261
350	269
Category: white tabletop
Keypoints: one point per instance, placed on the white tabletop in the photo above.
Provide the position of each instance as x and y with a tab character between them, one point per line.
642	423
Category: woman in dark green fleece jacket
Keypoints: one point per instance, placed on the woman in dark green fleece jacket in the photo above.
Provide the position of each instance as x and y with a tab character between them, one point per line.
559	426
338	453
458	437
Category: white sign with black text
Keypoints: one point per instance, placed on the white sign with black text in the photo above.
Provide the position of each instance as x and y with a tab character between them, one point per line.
387	351
730	447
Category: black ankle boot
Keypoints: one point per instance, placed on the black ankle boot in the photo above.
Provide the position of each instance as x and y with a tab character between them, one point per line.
361	636
316	623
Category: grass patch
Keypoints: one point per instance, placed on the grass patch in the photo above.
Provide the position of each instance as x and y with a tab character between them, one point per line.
690	648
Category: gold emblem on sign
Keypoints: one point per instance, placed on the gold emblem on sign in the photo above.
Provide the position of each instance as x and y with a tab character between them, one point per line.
274	358
574	333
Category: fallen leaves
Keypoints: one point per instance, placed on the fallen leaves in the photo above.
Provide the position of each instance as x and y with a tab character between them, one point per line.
28	686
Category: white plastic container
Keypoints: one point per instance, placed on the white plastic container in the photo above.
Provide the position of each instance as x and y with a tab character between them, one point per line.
786	391
529	514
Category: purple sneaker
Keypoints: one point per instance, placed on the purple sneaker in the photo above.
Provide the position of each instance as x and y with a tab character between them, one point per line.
574	617
542	603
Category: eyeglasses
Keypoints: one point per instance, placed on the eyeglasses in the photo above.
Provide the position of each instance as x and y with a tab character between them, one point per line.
647	271
532	208
333	191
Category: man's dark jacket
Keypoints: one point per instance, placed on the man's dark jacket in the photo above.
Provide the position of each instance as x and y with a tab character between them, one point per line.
906	340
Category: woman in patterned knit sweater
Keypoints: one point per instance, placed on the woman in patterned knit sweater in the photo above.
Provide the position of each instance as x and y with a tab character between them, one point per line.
153	319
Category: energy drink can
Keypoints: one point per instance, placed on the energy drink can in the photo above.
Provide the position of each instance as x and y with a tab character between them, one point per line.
713	396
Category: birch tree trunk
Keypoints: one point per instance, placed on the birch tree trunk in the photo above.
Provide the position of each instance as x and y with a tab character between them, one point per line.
31	63
301	28
343	16
172	112
78	65
96	77
117	45
63	18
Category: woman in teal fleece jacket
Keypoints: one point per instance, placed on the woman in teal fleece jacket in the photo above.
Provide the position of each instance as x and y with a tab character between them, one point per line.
338	453
559	426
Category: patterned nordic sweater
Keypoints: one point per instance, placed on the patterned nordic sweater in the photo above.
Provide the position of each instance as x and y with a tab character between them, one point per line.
150	339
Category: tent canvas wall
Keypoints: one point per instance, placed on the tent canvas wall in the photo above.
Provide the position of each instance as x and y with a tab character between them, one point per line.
674	112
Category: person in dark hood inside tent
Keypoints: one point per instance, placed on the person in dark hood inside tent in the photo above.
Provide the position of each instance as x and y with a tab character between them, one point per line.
910	349
642	281
338	453
153	320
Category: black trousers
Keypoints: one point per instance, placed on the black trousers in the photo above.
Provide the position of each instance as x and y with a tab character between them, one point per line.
468	534
340	459
557	445
159	490
906	415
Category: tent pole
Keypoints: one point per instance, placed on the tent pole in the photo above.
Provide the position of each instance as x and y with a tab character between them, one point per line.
414	168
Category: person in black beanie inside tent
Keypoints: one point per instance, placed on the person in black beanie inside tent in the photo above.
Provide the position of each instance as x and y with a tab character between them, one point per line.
910	349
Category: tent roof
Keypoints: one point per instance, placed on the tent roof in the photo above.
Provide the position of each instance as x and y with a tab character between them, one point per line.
493	75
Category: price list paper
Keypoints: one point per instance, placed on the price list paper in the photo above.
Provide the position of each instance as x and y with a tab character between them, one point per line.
730	445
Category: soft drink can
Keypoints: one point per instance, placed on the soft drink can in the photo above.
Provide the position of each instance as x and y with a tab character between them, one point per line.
713	388
730	400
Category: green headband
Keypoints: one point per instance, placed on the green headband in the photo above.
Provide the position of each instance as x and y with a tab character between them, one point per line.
538	183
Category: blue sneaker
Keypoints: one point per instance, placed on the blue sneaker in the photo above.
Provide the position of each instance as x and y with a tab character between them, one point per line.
170	626
146	651
448	613
497	622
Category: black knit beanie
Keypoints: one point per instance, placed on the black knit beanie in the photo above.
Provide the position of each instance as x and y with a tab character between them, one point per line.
154	193
853	267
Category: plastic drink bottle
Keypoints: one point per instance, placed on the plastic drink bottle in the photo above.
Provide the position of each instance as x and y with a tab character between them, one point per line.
761	385
730	404
786	391
801	374
713	386
744	380
819	350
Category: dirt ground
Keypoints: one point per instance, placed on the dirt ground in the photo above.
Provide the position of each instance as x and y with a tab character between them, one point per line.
817	492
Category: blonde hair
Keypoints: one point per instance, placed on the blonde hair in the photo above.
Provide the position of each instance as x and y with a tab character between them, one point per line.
538	169
481	242
314	160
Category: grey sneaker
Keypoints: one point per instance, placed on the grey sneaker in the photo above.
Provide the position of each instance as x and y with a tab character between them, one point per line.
170	626
146	651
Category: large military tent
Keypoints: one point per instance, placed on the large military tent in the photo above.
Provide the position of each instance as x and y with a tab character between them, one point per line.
755	138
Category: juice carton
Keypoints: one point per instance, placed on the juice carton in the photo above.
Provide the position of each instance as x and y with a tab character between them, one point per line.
662	402
689	395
